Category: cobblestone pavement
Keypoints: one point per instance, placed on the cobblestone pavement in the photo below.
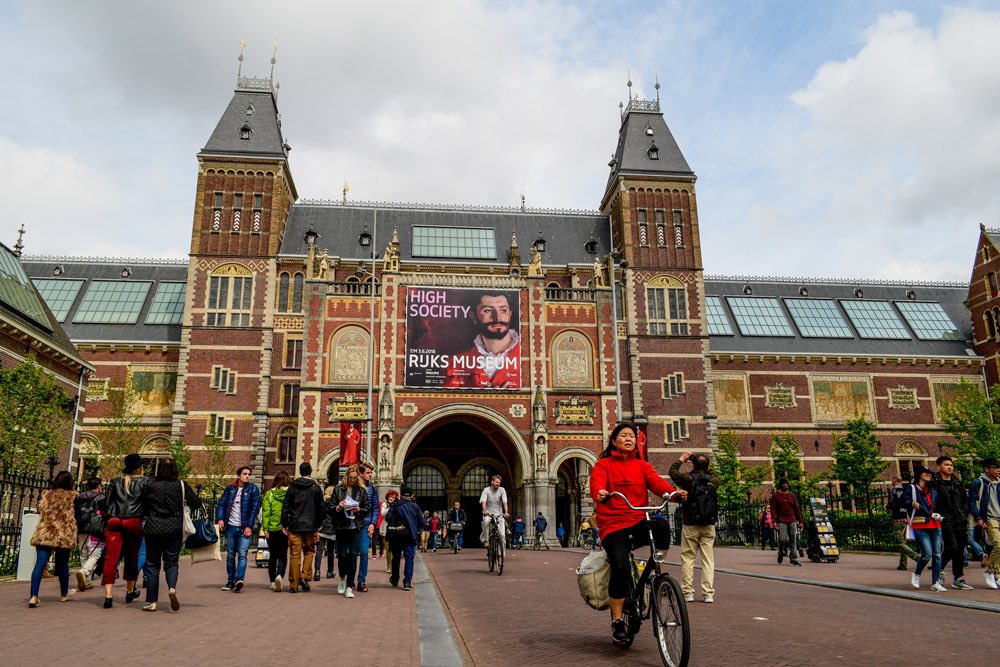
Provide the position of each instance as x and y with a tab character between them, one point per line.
533	615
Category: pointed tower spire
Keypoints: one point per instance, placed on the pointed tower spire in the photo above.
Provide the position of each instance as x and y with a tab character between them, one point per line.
239	70
19	246
514	256
522	198
274	59
657	86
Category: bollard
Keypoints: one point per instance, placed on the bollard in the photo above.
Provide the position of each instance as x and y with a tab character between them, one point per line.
26	552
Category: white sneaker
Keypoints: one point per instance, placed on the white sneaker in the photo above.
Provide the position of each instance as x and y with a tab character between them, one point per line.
349	593
277	584
915	580
709	599
272	585
937	587
991	580
689	597
342	587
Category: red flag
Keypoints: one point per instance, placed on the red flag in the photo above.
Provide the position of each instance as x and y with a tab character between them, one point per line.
350	443
640	443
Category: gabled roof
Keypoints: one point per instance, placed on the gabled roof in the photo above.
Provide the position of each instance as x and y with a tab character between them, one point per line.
253	108
643	127
89	270
950	296
339	225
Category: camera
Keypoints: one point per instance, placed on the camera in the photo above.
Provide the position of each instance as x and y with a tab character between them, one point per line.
936	516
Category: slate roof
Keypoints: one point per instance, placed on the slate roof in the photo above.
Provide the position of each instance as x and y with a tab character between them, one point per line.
992	234
339	225
951	297
89	269
46	327
632	153
265	139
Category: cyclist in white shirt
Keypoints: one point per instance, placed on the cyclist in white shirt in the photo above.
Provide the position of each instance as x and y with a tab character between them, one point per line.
494	502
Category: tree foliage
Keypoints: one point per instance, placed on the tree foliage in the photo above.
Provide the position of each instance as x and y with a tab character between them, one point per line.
737	480
121	430
786	462
215	468
181	455
857	456
35	416
970	419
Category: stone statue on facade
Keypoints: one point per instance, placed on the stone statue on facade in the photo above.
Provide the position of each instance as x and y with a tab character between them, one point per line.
323	271
539	411
385	410
535	263
600	277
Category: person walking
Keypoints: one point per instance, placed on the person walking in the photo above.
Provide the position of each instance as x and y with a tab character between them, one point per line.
926	523
163	511
274	531
698	516
561	535
984	505
425	531
899	510
123	528
786	512
236	513
349	507
404	520
766	522
435	526
55	534
368	525
953	506
541	524
391	496
326	545
302	514
89	511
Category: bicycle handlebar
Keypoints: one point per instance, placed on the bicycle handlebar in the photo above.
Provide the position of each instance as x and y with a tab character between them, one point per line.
666	500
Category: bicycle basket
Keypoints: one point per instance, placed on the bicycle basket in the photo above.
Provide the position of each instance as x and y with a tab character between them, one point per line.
592	577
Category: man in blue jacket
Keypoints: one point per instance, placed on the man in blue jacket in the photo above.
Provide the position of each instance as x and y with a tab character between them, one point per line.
236	512
369	525
404	520
984	504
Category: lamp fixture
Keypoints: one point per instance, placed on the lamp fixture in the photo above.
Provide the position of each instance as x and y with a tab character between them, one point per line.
126	272
311	236
539	242
591	245
364	238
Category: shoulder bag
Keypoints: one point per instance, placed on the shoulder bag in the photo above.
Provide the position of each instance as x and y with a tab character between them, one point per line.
187	524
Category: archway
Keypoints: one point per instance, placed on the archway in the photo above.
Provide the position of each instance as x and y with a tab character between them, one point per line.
572	493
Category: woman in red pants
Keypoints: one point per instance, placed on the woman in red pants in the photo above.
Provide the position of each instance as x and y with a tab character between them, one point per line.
123	528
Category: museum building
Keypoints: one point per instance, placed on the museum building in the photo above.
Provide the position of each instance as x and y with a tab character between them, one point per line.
465	341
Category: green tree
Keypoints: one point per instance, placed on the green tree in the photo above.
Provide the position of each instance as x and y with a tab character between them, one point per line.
857	456
786	461
215	467
970	419
35	416
737	480
181	455
121	430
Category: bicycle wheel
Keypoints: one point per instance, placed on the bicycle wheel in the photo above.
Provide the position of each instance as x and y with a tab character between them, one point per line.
586	540
491	552
499	558
670	622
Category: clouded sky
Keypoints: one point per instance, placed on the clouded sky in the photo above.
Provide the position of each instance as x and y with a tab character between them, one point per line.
854	139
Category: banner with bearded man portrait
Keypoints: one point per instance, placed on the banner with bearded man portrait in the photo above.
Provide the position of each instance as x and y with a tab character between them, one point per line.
463	338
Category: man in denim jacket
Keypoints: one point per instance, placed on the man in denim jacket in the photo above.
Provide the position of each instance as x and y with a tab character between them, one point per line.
369	525
236	512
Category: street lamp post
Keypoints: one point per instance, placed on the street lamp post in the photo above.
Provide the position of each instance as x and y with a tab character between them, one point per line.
369	241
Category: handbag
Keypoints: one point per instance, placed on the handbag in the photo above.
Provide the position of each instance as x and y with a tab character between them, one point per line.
592	578
205	531
187	524
207	553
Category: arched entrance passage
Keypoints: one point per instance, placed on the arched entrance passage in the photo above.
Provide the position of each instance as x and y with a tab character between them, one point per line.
466	445
573	502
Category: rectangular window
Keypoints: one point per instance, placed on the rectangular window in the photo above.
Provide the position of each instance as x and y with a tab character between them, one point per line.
220	427
673	385
875	319
659	216
293	354
757	316
676	430
217	200
657	312
286	446
222	309
928	320
258	201
223	380
454	242
718	323
238	200
818	318
58	294
168	304
678	230
619	300
290	399
642	216
112	302
677	298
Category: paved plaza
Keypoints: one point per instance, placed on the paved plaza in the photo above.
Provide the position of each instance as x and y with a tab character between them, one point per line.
860	610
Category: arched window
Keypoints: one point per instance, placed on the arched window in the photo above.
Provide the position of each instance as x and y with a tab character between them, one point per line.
287	445
426	481
992	278
230	296
297	293
666	307
572	360
283	293
910	455
991	330
476	479
349	356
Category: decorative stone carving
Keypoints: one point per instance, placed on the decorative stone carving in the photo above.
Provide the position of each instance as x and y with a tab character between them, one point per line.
408	409
779	396
903	398
390	260
97	389
575	411
346	409
572	357
541	453
910	448
539	411
384	453
600	275
514	256
385	411
323	270
535	263
517	411
349	356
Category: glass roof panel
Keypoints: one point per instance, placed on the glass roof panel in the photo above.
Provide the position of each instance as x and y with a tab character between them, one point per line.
112	302
454	242
718	323
818	318
928	320
58	294
759	316
875	319
16	289
168	304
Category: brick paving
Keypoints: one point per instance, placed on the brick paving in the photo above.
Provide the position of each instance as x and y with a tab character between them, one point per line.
533	615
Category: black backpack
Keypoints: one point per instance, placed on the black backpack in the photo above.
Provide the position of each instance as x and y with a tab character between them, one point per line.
703	501
89	516
395	527
899	508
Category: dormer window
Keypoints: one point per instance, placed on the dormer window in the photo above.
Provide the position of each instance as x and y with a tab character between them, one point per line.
245	133
653	152
649	130
250	109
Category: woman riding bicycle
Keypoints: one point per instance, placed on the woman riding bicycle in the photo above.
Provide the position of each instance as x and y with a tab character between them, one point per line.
619	469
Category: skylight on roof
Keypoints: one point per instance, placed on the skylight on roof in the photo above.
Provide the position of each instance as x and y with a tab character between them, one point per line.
928	320
718	323
818	318
58	294
454	242
112	302
17	291
168	304
759	317
875	319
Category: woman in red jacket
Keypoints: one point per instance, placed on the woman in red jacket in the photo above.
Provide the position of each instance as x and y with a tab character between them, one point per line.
619	469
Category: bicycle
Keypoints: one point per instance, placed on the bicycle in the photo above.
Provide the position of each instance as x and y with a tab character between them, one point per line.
539	542
657	595
495	546
585	540
453	531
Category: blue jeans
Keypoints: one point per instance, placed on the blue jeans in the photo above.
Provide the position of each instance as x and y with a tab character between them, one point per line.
407	550
931	544
237	544
365	549
42	555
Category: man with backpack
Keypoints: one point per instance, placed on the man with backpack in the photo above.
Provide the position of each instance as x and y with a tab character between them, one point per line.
698	516
89	510
403	524
899	510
